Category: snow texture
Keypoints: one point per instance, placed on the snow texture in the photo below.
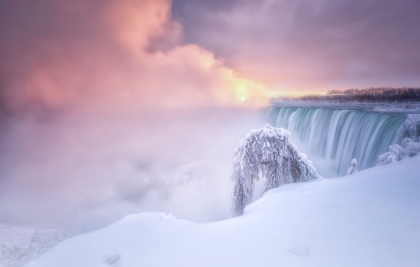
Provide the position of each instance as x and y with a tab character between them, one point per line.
20	244
300	250
368	219
267	153
112	256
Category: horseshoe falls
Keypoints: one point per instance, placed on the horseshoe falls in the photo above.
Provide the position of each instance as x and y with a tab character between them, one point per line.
339	135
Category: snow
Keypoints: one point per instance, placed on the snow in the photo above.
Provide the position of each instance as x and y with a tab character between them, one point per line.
411	127
352	169
21	243
112	256
205	182
267	153
301	250
397	107
370	218
408	149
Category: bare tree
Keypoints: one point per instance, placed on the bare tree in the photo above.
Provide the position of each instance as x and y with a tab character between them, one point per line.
267	153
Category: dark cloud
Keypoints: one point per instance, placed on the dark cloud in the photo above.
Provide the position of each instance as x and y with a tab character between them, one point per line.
313	44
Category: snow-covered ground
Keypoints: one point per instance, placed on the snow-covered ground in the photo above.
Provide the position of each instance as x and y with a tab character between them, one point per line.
370	218
205	182
76	172
21	243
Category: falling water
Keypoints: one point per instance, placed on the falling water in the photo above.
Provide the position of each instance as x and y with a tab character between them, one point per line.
340	135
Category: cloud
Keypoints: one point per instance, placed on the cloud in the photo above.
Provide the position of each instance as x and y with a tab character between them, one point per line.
109	55
311	45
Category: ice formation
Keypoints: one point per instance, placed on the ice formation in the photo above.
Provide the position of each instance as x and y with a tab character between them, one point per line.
267	153
352	169
408	149
410	145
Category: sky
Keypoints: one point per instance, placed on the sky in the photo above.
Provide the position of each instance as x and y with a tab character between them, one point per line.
131	53
310	45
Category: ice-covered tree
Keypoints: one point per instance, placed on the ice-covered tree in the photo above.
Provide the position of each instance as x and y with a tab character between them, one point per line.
408	149
267	153
410	144
411	128
352	169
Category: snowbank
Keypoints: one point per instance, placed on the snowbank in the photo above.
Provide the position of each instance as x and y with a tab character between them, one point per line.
20	244
206	182
370	218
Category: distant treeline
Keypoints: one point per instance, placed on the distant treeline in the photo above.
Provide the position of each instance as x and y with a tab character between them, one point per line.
368	95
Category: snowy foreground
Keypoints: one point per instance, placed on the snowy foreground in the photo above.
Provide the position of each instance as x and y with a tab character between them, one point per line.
370	218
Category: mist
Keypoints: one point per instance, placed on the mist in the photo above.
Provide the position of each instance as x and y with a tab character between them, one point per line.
104	167
102	105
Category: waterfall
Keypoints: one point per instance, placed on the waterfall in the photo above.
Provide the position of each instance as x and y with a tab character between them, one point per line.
340	135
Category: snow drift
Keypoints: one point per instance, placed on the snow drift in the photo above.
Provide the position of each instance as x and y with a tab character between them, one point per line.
367	219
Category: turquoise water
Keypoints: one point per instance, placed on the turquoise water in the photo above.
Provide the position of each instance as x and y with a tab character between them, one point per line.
340	135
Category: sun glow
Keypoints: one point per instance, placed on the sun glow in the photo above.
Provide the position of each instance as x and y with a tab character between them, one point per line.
250	91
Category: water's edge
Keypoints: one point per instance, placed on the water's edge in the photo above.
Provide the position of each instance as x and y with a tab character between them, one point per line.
339	134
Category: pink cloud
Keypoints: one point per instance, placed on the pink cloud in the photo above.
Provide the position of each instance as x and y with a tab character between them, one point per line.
122	55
